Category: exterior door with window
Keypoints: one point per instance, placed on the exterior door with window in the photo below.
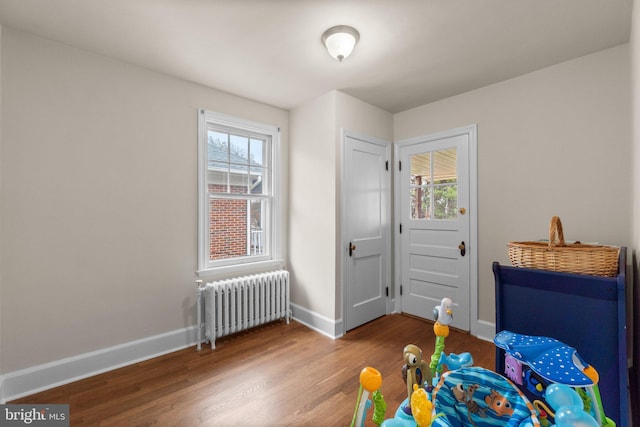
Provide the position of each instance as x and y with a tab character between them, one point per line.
367	229
434	217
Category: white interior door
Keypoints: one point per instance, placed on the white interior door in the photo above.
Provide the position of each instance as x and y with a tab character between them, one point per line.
435	218
366	211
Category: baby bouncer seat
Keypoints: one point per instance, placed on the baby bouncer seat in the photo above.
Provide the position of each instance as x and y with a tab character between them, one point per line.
478	397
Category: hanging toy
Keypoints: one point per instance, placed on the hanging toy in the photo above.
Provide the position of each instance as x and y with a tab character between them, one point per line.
443	315
415	370
421	406
370	382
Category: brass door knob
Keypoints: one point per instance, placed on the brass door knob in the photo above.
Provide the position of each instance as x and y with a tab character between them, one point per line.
352	248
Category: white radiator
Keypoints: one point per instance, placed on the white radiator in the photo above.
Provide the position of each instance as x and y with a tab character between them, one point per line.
233	305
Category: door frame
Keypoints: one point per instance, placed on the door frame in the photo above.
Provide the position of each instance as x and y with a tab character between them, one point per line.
472	132
344	235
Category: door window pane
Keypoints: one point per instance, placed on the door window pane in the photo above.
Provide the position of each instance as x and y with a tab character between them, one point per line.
445	166
445	201
433	185
420	168
420	203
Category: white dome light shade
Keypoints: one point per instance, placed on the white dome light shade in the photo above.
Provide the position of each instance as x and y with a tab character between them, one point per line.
340	41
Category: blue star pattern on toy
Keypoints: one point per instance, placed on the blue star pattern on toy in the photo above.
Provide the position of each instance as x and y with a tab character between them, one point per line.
551	359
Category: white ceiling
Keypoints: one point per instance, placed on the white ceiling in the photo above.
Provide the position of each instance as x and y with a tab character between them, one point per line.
411	52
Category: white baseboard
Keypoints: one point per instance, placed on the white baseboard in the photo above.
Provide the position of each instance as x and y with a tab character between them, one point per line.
317	322
484	330
334	329
14	385
17	384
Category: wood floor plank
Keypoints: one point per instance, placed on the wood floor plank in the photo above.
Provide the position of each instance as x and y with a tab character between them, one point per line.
273	375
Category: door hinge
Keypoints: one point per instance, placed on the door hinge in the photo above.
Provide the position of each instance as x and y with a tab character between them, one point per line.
386	165
400	290
400	166
387	291
400	228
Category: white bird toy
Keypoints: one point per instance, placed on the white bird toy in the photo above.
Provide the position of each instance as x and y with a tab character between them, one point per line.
443	313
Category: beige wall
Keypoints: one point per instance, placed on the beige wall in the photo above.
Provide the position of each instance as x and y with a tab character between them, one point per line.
312	205
315	161
98	201
553	142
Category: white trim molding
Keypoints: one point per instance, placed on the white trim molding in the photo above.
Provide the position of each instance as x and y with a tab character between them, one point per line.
24	382
317	322
14	385
484	330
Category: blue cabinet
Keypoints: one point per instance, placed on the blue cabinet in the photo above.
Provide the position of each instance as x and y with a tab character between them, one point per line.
585	312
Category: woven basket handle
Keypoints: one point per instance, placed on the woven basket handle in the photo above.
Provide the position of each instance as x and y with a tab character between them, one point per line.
556	229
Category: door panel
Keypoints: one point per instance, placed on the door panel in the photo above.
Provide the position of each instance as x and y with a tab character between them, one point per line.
433	188
367	270
366	210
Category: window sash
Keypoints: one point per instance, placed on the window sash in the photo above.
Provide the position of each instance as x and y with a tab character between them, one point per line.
267	140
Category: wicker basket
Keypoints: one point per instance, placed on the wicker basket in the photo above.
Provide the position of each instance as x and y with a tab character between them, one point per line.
576	258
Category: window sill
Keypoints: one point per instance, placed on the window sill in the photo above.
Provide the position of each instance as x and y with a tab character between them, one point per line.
240	269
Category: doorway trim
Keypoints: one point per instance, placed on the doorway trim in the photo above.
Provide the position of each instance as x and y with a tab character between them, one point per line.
344	238
476	327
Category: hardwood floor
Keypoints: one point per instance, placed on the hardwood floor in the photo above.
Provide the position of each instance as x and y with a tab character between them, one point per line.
275	375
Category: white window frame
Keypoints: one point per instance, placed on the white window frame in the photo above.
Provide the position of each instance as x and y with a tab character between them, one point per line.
206	267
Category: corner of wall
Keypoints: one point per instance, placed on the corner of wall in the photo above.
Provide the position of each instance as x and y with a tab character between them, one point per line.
319	323
311	260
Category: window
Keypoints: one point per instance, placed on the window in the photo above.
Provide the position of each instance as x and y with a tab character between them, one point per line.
434	185
237	189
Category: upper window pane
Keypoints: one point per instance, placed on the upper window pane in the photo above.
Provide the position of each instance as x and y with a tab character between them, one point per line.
238	163
218	177
239	149
257	151
420	168
445	166
218	146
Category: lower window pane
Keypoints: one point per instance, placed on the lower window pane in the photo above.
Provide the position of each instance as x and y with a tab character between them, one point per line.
235	228
420	203
257	237
445	200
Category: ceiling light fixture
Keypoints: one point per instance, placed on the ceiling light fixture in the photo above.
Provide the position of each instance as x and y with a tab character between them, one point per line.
340	41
